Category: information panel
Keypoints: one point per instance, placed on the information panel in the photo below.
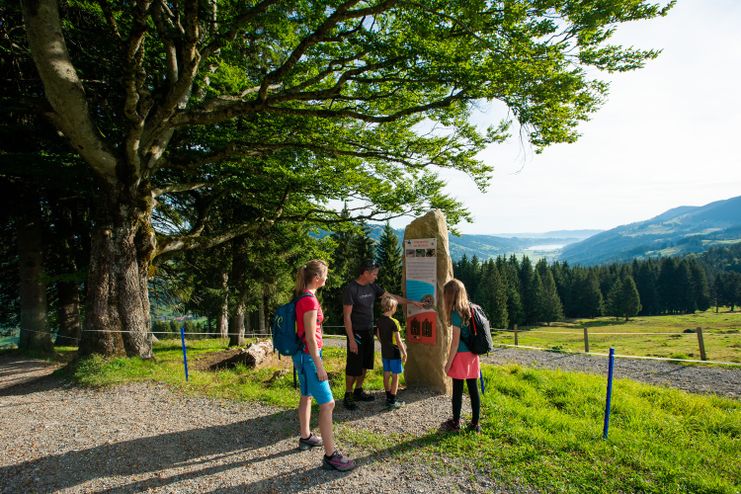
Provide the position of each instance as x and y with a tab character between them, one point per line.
421	285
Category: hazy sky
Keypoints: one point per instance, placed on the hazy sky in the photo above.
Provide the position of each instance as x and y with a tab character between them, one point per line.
668	136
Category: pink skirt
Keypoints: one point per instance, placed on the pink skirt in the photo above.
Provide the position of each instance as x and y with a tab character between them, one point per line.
465	366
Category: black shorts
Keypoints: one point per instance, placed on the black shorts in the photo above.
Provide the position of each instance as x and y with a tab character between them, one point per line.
357	362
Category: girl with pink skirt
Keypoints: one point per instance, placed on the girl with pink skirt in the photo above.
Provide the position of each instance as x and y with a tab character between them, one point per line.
462	365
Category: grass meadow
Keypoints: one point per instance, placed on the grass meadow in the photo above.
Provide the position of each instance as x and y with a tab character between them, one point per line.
638	336
541	428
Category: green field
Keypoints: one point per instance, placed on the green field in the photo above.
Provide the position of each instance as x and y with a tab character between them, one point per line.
541	428
721	333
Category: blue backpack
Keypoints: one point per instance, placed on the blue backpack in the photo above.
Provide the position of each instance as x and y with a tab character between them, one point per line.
285	336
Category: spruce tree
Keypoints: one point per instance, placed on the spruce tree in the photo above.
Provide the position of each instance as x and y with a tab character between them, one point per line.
700	286
474	274
623	299
614	299
342	269
630	299
646	277
492	295
550	304
389	260
594	304
537	309
462	269
515	309
528	291
686	291
363	246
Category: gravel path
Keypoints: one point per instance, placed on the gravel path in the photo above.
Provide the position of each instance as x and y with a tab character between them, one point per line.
148	438
725	381
145	437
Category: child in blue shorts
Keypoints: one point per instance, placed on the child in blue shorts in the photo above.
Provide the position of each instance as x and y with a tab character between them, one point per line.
393	350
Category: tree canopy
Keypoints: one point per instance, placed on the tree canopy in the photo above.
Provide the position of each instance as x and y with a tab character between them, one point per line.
205	121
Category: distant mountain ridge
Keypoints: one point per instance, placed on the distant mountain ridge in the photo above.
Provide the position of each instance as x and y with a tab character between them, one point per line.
681	230
535	245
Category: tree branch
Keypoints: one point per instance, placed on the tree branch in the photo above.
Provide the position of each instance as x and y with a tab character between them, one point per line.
63	88
176	188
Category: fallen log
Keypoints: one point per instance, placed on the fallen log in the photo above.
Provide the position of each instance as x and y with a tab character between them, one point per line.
251	356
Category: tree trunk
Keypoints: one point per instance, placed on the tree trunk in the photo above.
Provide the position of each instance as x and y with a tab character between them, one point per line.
68	313
35	333
261	316
249	326
68	291
237	280
224	314
117	318
236	325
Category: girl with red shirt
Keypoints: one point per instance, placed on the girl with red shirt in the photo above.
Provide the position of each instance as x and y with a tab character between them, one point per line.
311	373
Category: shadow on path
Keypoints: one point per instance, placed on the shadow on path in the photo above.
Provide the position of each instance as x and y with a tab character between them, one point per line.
155	453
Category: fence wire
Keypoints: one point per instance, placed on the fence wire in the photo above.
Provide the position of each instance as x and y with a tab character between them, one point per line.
525	347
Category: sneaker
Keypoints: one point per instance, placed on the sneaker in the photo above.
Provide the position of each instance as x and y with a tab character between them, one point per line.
394	404
363	396
349	402
310	442
337	461
475	428
450	426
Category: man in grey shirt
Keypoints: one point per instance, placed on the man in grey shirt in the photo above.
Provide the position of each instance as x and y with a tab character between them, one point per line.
358	299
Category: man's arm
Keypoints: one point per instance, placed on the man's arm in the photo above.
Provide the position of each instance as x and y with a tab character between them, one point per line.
346	312
403	300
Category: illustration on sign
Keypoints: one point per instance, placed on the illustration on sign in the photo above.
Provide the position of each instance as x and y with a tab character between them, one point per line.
421	285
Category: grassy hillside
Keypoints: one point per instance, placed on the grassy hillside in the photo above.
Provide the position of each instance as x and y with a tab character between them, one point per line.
541	428
679	231
721	331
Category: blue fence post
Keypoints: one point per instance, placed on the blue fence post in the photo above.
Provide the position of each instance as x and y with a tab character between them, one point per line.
185	356
610	368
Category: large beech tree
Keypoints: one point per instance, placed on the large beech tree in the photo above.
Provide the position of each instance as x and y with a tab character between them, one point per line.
311	100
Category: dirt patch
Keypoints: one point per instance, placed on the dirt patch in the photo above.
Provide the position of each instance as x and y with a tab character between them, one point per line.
220	360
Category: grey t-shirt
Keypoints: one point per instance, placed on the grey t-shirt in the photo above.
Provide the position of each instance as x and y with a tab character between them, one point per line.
362	298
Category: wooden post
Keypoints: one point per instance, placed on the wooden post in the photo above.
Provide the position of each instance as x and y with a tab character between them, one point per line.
703	355
586	339
517	340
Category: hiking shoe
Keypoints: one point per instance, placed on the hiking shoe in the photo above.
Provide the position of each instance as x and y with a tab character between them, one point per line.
337	461
393	405
363	396
310	442
475	428
349	402
450	426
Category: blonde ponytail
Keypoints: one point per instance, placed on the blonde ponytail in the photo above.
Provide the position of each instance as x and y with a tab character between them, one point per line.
306	273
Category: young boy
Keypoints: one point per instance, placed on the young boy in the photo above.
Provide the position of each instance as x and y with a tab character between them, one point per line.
393	350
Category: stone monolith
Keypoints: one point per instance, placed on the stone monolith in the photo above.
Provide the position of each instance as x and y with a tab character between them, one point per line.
428	335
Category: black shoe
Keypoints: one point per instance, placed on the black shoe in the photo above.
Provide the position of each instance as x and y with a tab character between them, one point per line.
475	428
450	426
363	396
393	405
349	402
337	461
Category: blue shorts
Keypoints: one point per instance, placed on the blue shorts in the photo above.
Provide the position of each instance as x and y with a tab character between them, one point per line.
309	383
392	365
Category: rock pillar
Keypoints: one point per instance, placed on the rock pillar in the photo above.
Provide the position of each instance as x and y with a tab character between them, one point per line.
427	267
